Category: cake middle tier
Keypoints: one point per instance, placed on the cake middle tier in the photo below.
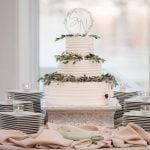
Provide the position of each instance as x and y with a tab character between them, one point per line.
80	68
80	45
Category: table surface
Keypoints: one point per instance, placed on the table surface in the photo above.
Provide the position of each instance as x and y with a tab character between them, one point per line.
4	147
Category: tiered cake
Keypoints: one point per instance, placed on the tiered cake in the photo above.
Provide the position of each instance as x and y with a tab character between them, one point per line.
80	92
79	80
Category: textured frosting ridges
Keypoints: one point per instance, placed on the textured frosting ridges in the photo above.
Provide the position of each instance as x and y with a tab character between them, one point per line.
78	93
80	68
80	45
83	93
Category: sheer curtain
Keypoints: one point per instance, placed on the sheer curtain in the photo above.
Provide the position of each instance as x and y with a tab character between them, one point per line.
124	30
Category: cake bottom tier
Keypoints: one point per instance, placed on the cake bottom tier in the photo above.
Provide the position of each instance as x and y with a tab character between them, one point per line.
83	93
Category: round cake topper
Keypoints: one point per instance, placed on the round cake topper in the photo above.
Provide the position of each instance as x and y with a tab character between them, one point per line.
78	21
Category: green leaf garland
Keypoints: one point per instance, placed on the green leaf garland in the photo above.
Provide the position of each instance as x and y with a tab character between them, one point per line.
58	77
94	58
66	57
76	35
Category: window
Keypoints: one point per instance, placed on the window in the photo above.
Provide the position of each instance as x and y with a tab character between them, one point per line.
122	25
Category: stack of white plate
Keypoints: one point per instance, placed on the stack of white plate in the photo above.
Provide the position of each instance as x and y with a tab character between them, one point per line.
5	107
135	103
32	96
122	96
27	122
139	118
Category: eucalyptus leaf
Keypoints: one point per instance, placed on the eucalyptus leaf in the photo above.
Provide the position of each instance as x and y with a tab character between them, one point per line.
94	58
76	35
66	57
58	77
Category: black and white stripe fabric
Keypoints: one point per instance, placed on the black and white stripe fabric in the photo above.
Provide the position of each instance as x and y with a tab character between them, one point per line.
5	107
27	122
135	103
33	96
122	96
137	117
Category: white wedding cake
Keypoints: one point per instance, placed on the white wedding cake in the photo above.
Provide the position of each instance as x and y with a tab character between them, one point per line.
78	80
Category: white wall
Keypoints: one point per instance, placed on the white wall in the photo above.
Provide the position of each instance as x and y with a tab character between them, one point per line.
8	46
18	44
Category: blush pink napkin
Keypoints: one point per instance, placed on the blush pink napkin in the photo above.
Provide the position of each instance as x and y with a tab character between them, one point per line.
130	135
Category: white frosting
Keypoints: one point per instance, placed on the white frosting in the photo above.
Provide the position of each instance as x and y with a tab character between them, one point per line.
81	93
80	68
72	93
80	45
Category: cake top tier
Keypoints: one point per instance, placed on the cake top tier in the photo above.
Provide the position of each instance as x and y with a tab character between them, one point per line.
80	45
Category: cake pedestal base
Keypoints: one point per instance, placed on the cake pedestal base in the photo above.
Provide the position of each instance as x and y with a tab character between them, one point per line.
76	115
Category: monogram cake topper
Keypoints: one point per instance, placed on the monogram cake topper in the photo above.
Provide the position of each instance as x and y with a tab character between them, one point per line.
78	21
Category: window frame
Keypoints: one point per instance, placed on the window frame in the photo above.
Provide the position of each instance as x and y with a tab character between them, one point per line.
28	42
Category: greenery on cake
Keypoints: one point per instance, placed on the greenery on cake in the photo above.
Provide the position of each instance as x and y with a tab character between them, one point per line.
58	77
66	57
76	35
94	58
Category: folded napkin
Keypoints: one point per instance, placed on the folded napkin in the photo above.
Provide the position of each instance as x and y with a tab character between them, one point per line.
5	136
47	138
78	135
131	135
80	138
